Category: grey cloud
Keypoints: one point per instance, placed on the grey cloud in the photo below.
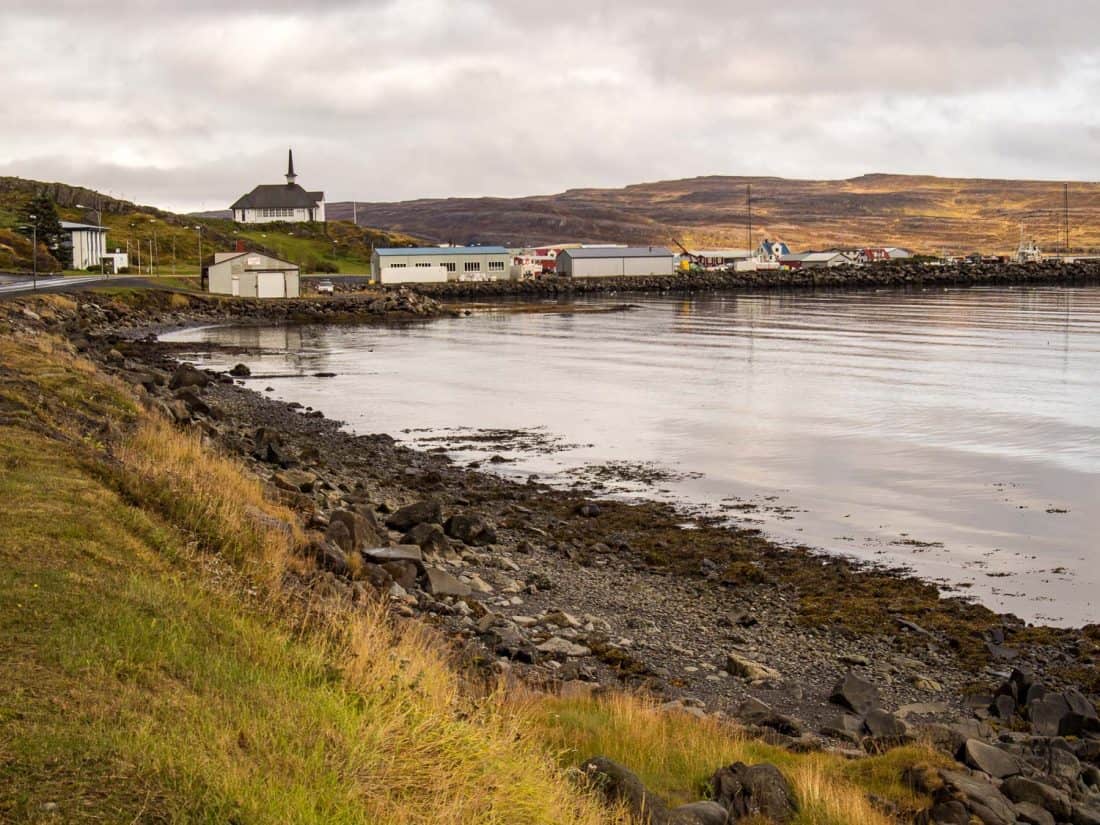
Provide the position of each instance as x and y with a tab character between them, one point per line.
189	105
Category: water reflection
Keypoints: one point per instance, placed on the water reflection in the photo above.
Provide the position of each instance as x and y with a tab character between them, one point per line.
950	430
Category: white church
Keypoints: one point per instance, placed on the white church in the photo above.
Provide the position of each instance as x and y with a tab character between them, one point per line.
289	202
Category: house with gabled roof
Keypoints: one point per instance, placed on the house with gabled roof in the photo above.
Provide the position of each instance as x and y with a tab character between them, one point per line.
289	202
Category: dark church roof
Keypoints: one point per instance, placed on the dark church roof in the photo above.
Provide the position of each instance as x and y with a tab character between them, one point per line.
279	196
287	195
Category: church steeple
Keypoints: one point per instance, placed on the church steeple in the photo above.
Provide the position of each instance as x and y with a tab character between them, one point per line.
290	176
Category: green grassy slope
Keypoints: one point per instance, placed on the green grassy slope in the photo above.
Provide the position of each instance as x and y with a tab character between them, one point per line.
173	240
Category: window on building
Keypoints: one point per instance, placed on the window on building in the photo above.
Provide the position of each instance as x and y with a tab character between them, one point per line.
422	265
496	266
450	266
472	266
398	266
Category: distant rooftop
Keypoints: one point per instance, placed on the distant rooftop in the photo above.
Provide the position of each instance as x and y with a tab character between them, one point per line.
88	226
619	252
442	250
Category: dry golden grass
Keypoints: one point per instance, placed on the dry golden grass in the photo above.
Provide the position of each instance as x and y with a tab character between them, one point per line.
160	672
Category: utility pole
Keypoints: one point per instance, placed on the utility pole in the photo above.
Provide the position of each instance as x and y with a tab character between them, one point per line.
199	228
355	213
173	256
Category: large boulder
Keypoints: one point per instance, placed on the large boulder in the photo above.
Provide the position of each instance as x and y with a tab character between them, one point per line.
361	527
1021	789
882	724
620	785
188	376
757	790
471	528
441	583
754	712
428	537
700	813
980	797
855	694
992	760
1046	714
427	511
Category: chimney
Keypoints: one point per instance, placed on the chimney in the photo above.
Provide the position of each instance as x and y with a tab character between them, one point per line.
290	176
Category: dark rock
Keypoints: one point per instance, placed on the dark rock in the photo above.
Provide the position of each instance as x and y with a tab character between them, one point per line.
1004	707
471	528
989	804
588	509
884	725
362	528
330	557
1019	682
428	511
855	694
337	533
843	726
1021	789
240	371
405	573
759	790
701	813
1047	715
188	376
754	712
441	583
1085	815
1032	814
949	812
428	537
993	761
618	784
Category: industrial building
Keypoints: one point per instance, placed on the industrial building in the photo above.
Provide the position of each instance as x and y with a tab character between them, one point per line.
817	260
252	275
607	262
436	264
89	243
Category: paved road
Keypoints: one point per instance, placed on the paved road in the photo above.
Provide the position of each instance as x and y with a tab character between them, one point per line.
57	283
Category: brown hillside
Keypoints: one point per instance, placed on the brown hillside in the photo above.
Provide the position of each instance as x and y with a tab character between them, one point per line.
924	213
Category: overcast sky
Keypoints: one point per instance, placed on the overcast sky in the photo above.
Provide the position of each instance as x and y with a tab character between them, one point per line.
188	105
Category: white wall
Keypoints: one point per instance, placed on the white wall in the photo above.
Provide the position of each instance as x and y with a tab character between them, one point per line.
89	246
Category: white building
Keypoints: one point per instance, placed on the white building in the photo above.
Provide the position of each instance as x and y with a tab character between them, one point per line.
116	261
607	262
288	202
253	275
89	243
436	264
817	260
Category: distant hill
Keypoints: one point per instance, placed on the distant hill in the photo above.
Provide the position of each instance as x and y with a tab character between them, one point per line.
924	213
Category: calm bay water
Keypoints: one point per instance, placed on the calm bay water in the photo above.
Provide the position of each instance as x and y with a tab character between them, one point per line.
954	432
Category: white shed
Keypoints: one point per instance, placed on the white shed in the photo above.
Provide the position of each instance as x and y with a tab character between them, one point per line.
606	262
253	275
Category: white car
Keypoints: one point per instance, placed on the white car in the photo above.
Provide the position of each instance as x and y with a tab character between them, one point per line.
326	287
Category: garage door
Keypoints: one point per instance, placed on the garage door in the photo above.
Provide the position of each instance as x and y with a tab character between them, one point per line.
270	285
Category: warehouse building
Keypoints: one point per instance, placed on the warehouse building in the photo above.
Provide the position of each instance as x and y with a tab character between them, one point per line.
436	264
607	262
253	275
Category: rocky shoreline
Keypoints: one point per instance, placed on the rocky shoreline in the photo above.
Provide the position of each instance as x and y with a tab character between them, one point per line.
569	593
884	276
